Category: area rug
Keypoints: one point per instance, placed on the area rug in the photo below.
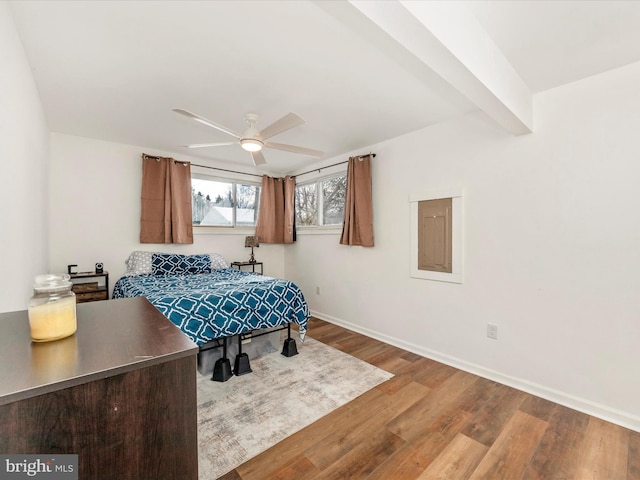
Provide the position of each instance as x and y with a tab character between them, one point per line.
246	415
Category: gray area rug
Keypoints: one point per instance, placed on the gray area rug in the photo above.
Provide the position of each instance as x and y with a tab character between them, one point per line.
246	415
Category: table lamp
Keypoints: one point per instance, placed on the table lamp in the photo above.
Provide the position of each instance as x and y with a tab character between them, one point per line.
251	241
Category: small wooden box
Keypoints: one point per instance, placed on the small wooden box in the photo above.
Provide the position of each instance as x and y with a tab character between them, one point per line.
91	296
84	287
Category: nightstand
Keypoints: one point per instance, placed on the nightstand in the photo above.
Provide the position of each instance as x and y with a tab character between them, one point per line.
239	266
90	291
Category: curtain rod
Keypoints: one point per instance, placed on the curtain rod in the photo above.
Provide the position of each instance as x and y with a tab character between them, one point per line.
225	170
260	176
334	164
206	166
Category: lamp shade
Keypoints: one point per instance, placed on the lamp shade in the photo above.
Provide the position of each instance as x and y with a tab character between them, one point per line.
251	241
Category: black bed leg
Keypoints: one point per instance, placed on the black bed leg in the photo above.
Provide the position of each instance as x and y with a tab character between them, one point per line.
289	348
242	365
222	368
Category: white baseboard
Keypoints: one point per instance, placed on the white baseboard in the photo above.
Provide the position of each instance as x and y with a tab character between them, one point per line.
619	417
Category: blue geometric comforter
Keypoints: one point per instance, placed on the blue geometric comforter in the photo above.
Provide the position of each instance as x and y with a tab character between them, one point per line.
219	304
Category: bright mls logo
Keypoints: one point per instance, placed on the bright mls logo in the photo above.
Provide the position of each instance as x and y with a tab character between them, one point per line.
50	467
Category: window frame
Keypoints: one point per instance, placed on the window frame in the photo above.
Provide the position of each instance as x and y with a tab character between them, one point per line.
203	229
319	228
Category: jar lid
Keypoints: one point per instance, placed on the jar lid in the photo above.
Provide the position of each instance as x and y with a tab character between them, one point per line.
52	282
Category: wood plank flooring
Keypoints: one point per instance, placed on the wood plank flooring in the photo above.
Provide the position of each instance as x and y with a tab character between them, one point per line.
432	421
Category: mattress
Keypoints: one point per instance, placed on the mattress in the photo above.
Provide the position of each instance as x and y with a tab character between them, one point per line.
220	304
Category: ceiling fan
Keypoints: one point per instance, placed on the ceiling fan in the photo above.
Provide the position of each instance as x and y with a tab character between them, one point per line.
253	140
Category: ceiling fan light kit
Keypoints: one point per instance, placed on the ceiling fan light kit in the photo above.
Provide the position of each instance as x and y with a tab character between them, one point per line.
251	144
253	140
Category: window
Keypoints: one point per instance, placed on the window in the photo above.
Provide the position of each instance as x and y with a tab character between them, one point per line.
247	201
321	202
223	203
333	193
306	205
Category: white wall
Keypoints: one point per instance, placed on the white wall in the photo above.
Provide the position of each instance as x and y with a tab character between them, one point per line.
551	249
24	151
551	235
95	210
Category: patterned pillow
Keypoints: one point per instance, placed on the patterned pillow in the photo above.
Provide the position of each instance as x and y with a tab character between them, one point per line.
218	261
139	263
174	264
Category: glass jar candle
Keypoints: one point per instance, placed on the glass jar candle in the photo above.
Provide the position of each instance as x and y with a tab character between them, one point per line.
52	308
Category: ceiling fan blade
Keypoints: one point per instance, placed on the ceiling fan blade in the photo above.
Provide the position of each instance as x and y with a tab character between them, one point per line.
204	121
258	158
292	148
287	122
202	145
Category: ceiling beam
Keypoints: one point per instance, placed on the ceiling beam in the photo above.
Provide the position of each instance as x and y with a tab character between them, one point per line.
444	44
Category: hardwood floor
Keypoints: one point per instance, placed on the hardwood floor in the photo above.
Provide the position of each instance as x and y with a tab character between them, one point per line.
432	421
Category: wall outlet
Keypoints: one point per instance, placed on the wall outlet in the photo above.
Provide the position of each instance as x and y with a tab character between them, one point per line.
492	331
317	290
245	338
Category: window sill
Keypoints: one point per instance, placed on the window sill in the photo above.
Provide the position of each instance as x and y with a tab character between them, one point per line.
319	230
198	230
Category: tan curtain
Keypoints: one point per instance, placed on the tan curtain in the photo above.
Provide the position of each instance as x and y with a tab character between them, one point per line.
165	215
357	228
276	213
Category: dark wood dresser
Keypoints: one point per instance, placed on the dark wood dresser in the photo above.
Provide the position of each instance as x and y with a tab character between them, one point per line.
120	393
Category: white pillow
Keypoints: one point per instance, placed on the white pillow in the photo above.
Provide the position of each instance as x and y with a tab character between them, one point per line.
139	263
218	261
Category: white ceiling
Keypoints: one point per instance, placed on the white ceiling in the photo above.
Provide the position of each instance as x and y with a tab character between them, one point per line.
113	70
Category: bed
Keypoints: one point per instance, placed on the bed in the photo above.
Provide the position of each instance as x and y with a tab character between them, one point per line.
211	302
